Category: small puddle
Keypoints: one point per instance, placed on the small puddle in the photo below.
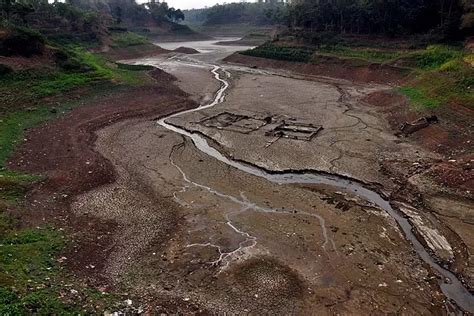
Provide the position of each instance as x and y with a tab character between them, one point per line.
450	284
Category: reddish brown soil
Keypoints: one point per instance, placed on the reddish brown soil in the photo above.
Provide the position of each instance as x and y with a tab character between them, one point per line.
330	67
131	52
20	63
63	151
386	98
452	137
457	173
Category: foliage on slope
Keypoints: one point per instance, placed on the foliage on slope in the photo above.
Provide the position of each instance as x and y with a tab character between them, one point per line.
441	74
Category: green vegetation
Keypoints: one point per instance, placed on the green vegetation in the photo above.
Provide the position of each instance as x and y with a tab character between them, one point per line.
33	91
267	13
442	73
436	20
369	54
31	281
437	56
442	77
438	87
58	22
126	39
28	86
419	98
27	260
288	53
134	67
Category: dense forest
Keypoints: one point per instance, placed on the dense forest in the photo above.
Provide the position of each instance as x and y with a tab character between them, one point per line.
444	18
438	19
84	19
239	13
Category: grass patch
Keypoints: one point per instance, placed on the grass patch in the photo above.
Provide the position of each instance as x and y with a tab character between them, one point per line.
26	88
126	39
22	106
12	189
29	87
443	77
31	280
27	263
369	54
434	56
288	53
419	97
444	74
134	67
12	128
305	53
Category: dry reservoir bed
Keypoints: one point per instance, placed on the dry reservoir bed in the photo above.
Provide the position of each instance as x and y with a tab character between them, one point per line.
195	228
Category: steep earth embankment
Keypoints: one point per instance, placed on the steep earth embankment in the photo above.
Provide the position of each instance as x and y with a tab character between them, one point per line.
327	66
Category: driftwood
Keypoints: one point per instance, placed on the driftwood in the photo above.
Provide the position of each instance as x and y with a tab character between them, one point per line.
425	121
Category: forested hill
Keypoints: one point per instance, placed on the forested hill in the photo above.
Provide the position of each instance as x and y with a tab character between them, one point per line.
238	13
89	20
446	18
129	13
438	20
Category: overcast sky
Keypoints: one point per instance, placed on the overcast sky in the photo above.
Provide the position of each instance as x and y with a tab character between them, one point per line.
192	4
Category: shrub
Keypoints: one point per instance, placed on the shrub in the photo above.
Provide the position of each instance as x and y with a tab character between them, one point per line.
319	38
117	29
9	303
4	70
436	55
134	67
22	42
126	39
68	61
180	29
289	53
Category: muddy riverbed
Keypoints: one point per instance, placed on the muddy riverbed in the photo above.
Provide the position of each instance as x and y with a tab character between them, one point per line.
206	214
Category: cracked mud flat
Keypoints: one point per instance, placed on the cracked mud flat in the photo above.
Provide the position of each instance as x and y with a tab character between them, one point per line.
198	229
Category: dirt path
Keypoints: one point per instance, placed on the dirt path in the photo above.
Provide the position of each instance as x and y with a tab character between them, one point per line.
173	224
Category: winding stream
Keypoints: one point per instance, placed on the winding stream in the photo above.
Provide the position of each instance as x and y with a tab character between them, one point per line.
450	285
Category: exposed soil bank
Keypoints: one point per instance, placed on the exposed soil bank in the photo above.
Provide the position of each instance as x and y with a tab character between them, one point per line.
328	66
445	185
63	150
136	51
451	136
